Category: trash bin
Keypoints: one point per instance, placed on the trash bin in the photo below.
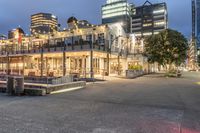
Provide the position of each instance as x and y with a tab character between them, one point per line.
15	85
19	85
10	85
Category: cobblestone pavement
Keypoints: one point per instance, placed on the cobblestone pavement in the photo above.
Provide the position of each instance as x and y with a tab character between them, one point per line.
150	104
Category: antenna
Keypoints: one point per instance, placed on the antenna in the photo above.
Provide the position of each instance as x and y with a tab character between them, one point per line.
147	2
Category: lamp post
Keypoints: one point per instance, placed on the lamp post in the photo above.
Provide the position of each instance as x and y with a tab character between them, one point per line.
8	60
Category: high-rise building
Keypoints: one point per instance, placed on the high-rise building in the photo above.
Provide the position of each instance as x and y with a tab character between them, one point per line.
194	41
43	23
198	22
149	19
117	11
193	19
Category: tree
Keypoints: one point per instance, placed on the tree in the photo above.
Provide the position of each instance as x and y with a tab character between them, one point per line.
166	48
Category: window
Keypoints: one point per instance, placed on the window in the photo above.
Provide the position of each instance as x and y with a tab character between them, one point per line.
159	23
89	38
101	39
147	24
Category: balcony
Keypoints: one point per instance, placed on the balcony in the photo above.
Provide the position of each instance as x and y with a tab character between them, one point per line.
37	48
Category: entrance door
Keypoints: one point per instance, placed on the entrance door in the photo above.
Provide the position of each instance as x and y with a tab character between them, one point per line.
114	68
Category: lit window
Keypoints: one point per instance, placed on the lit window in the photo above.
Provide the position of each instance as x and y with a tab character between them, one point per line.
147	25
159	23
159	11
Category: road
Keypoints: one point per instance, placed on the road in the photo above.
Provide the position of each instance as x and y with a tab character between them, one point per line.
150	104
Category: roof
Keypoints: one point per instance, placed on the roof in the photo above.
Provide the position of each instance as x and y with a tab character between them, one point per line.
72	19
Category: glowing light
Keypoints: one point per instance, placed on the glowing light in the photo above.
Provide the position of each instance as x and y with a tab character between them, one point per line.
66	90
53	16
159	11
198	83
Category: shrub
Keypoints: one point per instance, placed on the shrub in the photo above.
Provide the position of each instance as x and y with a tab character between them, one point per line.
135	67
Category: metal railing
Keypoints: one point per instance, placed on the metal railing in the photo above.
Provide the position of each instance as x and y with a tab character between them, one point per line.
56	47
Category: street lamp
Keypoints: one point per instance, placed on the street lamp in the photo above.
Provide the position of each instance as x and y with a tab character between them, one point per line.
8	60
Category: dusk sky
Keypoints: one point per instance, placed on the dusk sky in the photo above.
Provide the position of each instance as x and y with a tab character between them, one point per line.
17	12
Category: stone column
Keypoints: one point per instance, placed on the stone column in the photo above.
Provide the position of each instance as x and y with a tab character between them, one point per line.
91	64
23	60
42	64
108	63
118	61
88	64
8	64
84	66
64	64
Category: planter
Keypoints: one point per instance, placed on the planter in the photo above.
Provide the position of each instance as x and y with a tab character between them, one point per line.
134	73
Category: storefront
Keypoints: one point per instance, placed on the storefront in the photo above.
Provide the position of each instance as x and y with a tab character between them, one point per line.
55	64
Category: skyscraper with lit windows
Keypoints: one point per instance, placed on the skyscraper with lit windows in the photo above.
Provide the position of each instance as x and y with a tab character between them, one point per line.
198	22
149	19
43	23
117	11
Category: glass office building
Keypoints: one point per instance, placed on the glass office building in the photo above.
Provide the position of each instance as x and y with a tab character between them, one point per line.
42	23
149	19
198	22
117	11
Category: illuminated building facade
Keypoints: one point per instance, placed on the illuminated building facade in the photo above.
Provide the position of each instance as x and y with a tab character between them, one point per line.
43	23
117	11
149	19
193	43
198	22
192	55
88	51
83	49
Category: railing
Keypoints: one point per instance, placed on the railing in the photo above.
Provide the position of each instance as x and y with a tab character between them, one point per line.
118	51
136	51
56	47
43	80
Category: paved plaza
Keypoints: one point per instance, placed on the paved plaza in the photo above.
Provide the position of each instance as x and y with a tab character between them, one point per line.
150	104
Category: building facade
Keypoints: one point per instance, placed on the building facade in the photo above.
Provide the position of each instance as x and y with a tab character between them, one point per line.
43	23
193	19
149	19
192	55
117	11
194	41
88	51
197	12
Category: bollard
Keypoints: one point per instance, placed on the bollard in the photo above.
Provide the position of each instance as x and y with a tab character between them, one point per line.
10	85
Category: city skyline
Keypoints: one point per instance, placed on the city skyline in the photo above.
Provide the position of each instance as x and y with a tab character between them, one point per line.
64	9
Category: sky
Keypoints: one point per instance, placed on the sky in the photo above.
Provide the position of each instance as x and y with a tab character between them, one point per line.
15	13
